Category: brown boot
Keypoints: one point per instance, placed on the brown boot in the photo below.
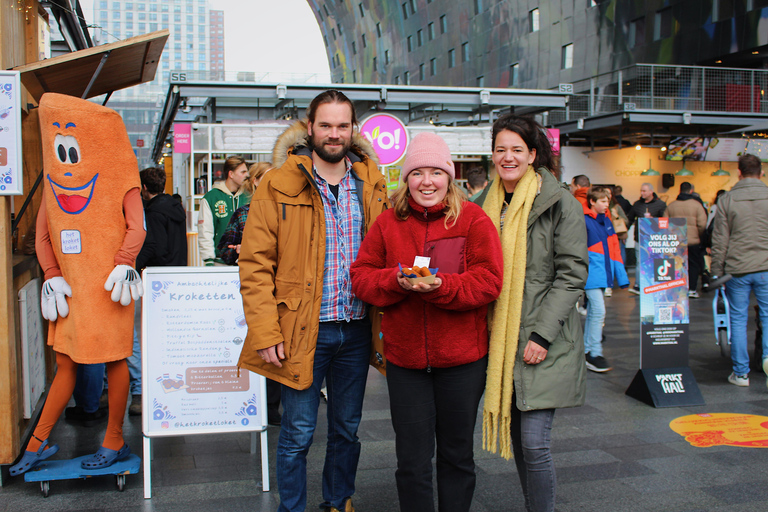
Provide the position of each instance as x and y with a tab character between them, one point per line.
347	507
135	408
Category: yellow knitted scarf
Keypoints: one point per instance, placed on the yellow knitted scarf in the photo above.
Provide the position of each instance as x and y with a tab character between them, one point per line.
504	320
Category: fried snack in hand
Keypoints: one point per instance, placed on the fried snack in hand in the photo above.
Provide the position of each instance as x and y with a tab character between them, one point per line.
424	272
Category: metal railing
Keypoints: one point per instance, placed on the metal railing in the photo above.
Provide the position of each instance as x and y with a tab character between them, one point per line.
667	88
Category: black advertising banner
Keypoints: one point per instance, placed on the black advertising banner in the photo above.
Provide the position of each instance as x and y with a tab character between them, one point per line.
664	379
663	275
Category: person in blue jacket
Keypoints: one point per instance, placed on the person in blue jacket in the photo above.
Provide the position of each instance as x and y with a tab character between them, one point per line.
605	265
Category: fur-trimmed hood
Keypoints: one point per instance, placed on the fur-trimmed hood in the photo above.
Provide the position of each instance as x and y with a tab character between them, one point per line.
297	136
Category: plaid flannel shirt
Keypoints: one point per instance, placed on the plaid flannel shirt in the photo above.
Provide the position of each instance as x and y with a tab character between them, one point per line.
343	236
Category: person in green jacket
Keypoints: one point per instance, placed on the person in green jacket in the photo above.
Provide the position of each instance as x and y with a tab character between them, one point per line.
536	351
217	208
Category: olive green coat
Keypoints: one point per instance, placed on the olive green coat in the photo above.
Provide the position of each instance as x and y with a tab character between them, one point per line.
555	274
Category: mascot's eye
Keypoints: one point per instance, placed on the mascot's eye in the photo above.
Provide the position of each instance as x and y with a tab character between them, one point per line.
67	149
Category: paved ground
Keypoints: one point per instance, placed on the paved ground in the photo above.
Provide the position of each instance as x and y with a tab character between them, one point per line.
613	454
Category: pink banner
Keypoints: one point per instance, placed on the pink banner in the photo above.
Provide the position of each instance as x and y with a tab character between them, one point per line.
182	138
553	134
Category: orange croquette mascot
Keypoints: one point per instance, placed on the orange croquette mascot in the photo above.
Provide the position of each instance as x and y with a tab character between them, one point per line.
90	228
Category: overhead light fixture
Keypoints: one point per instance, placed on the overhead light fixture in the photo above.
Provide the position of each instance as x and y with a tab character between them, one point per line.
718	62
684	171
649	171
663	148
638	147
721	171
755	53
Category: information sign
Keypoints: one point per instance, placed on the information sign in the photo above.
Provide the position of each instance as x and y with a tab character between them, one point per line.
10	134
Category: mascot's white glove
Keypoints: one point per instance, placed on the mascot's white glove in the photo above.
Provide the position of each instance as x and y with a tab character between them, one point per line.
125	283
53	301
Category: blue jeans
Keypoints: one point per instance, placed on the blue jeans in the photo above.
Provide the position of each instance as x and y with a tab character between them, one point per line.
531	437
88	386
593	327
134	361
341	359
737	290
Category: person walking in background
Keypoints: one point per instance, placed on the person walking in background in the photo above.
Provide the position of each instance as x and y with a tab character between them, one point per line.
164	246
740	248
536	349
229	249
436	358
579	186
620	225
649	205
228	246
217	207
305	325
477	180
605	264
690	208
618	196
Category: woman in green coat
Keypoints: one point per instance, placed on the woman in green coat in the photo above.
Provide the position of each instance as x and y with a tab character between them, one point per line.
536	355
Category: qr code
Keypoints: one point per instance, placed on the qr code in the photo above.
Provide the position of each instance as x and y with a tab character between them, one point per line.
664	316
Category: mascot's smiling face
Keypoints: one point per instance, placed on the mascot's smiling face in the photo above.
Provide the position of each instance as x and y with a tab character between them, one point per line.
87	156
72	195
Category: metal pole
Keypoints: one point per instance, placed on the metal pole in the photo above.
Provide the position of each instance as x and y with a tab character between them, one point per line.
621	87
96	73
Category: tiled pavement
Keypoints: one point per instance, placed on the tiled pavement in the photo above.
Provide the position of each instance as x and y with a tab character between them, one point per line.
613	454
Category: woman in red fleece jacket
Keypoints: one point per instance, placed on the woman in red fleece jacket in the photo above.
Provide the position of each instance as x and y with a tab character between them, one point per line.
435	336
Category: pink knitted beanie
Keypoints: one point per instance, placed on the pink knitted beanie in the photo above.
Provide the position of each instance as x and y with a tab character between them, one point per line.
428	150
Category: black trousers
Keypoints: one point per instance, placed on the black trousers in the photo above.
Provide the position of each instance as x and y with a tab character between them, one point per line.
441	405
695	265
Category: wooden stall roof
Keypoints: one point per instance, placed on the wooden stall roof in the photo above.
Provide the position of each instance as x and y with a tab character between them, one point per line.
130	62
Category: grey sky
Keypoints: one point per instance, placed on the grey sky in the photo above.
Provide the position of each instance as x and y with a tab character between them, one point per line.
266	36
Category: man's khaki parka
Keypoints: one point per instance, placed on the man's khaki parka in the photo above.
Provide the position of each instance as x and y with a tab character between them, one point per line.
283	255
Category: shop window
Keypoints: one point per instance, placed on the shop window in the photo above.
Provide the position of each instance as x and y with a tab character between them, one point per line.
566	57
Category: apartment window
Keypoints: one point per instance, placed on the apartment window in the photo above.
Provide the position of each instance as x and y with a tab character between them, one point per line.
397	79
443	24
420	37
451	58
662	24
325	40
386	57
421	72
636	35
409	41
431	31
481	81
333	34
153	16
102	5
116	5
432	66
362	11
566	59
142	16
407	78
722	9
177	18
354	48
478	6
326	11
374	64
365	43
378	29
405	10
354	76
533	20
465	52
514	75
115	15
153	27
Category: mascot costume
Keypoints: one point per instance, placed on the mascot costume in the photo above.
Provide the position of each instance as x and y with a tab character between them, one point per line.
90	229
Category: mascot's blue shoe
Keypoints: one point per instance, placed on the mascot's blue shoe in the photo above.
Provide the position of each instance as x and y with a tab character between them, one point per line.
32	459
105	457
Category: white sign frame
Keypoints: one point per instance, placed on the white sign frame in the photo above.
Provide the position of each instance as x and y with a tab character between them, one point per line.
11	182
32	345
187	314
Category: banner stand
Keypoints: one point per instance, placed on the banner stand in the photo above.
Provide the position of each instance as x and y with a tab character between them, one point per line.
664	378
666	387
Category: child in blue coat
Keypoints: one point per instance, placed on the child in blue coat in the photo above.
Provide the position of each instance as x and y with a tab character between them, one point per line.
605	265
